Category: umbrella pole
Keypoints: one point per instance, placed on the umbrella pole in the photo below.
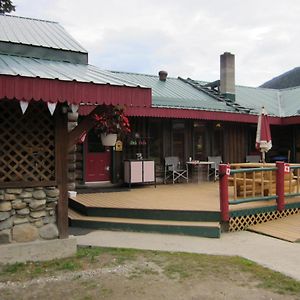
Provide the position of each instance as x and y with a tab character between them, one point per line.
263	156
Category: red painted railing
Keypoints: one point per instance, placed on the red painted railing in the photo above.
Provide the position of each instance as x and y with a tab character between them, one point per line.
260	182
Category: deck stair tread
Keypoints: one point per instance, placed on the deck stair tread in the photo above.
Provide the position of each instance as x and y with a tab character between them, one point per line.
73	215
107	201
286	228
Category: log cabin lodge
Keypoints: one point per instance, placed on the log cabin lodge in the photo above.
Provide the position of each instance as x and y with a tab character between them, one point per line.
49	93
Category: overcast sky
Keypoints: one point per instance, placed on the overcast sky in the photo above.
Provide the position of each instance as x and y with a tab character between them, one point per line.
185	38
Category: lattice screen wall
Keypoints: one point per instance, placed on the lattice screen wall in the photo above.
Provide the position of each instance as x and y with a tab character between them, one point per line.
243	222
26	143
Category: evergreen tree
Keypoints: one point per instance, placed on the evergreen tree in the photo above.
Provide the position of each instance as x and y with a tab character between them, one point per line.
6	6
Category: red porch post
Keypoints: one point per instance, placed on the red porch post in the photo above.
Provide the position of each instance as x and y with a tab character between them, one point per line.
223	187
280	185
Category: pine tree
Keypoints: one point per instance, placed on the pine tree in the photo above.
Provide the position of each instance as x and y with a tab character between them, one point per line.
6	6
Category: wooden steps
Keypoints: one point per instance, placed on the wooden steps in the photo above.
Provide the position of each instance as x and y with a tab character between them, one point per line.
175	209
194	228
287	228
143	212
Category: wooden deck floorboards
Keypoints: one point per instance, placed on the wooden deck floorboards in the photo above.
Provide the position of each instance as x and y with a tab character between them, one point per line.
287	228
184	200
194	197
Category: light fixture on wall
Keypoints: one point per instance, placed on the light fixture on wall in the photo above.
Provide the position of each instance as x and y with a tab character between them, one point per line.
218	125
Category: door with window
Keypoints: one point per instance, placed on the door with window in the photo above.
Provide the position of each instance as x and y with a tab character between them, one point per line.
199	140
178	139
97	159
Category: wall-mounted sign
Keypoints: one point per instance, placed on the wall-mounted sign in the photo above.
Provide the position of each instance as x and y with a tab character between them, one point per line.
286	168
119	146
228	170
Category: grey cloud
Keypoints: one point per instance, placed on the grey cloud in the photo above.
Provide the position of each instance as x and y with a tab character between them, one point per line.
184	37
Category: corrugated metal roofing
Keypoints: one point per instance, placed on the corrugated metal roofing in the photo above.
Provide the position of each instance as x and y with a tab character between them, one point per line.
280	103
174	93
37	33
290	101
255	98
47	69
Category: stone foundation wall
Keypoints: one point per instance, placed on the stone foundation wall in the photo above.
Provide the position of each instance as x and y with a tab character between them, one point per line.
28	214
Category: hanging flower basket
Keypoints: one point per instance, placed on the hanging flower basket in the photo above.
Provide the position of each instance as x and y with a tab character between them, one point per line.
108	139
110	123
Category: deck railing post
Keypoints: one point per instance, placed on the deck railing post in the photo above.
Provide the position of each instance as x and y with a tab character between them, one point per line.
223	187
280	185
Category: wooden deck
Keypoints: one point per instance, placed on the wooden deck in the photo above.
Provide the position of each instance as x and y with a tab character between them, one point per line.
287	228
191	209
190	197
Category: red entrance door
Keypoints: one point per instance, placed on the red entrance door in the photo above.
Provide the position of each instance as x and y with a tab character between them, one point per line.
97	159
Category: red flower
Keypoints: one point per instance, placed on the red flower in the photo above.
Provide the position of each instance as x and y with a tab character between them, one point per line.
111	120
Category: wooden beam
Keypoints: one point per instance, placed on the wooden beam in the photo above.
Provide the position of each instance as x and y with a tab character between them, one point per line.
85	125
61	155
13	184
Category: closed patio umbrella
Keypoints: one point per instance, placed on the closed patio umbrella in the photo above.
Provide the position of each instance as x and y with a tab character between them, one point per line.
263	134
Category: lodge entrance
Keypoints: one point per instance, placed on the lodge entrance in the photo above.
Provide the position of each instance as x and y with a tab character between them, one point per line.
97	159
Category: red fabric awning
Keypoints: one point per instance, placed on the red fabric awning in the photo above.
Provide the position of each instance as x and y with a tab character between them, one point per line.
73	92
185	114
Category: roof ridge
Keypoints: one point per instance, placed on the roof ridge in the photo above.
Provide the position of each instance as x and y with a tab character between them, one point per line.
27	18
290	88
255	87
229	102
136	73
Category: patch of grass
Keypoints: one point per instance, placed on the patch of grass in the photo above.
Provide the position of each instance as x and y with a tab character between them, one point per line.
89	252
176	266
123	255
269	279
176	271
183	265
13	268
69	266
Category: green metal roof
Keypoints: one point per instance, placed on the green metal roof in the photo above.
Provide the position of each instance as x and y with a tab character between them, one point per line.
30	67
255	98
290	101
174	93
35	32
280	103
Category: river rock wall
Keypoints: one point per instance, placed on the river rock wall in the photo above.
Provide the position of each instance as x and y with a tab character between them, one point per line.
28	214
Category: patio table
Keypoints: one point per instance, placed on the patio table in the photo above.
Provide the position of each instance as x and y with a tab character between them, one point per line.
200	164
